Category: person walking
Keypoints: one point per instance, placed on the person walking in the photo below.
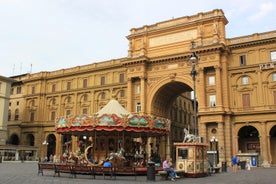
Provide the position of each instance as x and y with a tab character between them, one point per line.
235	162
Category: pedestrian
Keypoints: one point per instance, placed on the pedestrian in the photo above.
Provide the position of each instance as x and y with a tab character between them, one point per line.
235	162
167	167
107	163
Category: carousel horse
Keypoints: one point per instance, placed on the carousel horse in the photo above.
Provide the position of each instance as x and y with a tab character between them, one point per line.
119	155
188	137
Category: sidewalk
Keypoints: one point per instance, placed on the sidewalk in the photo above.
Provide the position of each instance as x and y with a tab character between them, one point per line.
26	173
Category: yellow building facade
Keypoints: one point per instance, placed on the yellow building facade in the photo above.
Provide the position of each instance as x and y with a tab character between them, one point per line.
235	89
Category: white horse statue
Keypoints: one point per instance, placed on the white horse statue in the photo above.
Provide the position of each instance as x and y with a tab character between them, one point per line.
188	137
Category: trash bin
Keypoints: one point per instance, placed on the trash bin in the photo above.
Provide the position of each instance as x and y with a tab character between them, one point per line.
242	164
223	166
151	171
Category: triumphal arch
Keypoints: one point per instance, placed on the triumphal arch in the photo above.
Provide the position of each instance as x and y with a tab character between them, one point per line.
158	57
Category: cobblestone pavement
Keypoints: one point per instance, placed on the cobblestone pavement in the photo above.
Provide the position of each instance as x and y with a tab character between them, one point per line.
26	173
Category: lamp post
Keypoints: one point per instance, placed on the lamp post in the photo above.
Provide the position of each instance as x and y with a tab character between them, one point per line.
214	148
194	61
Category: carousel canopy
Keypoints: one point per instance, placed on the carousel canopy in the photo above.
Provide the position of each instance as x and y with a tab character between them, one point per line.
112	117
114	107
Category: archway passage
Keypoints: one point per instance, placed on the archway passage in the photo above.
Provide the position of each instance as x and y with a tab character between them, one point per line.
51	147
166	96
30	139
14	139
173	101
273	145
249	140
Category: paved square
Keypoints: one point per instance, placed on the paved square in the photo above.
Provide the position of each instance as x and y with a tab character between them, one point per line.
27	173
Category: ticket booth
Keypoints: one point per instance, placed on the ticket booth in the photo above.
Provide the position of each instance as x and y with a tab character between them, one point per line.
192	159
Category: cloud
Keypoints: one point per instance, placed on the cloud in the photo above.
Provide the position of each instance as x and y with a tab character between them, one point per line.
264	10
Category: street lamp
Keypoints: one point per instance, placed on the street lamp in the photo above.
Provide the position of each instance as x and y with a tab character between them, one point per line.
214	149
194	61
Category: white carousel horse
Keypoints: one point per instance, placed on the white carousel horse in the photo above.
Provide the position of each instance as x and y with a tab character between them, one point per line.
188	137
119	155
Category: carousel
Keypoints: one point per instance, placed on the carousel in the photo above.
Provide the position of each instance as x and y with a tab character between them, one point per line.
115	134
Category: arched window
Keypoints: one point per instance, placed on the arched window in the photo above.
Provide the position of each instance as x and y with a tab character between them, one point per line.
84	83
16	114
9	115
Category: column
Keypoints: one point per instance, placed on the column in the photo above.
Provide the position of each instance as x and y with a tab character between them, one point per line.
201	92
168	147
129	94
142	98
264	145
227	137
203	131
74	144
162	147
224	85
58	146
218	87
221	143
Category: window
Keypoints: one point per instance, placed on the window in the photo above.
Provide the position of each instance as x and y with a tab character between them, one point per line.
33	89
9	115
211	80
54	88
17	103
274	77
246	100
244	80
85	97
122	78
12	90
0	86
138	107
138	89
212	100
53	116
68	87
242	60
103	95
122	93
32	115
53	101
84	83
84	111
103	80
273	56
18	90
69	99
68	112
16	114
33	103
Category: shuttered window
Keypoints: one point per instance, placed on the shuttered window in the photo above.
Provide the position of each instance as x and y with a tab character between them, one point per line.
246	100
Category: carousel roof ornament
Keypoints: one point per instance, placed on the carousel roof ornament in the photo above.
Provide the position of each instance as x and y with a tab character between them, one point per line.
113	117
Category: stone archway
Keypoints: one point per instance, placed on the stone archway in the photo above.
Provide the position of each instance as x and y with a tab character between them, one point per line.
248	140
30	140
51	145
14	139
272	134
171	99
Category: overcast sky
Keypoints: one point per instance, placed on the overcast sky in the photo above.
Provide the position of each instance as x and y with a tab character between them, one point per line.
54	34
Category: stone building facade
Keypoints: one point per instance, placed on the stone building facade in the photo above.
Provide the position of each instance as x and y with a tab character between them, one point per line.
236	88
